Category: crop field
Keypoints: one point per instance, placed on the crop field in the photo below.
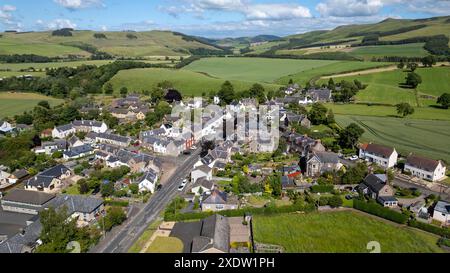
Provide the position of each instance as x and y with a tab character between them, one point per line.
384	87
16	103
429	138
336	67
253	69
339	232
407	50
188	82
427	113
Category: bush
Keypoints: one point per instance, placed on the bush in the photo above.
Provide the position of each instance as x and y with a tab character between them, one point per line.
444	242
322	188
117	203
444	232
335	201
378	210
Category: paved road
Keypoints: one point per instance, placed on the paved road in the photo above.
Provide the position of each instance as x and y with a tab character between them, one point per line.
426	191
129	233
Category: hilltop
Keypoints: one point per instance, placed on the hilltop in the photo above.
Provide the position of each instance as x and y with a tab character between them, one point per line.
120	44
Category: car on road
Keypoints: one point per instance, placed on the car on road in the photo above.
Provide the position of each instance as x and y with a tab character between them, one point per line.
159	187
187	152
194	148
181	187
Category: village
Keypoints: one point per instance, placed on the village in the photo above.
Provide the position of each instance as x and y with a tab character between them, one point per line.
100	174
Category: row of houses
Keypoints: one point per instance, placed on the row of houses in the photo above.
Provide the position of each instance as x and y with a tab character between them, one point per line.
418	166
77	126
19	213
130	108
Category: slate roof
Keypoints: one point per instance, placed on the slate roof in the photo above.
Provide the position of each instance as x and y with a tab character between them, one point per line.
20	173
374	183
28	197
204	183
387	199
55	171
89	123
442	207
326	157
422	163
76	151
203	168
322	94
216	197
215	233
114	137
377	149
64	128
45	178
77	203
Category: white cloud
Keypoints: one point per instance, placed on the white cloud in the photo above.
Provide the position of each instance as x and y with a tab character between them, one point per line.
276	12
7	18
79	4
349	8
251	11
61	23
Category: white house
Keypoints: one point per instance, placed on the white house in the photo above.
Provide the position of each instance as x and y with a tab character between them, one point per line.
148	181
63	131
4	177
383	156
425	168
202	171
5	127
442	212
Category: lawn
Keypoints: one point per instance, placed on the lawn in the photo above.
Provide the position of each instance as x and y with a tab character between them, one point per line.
16	103
384	86
407	50
429	138
336	67
253	69
166	245
339	232
140	243
188	82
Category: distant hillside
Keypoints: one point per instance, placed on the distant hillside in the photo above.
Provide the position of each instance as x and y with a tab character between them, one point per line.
389	31
120	44
245	41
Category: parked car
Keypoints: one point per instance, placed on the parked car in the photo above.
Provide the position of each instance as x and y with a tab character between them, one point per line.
354	158
349	197
194	148
159	187
187	152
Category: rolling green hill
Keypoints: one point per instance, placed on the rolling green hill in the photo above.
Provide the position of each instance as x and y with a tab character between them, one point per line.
345	36
127	44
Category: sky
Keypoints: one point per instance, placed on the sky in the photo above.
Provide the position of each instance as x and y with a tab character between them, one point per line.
209	18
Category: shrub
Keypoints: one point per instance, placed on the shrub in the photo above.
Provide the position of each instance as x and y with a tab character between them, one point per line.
444	232
335	201
378	210
117	203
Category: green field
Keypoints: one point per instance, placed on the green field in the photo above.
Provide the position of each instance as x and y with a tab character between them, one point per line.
427	113
384	86
150	43
166	245
253	69
9	45
7	74
339	232
188	82
407	50
336	67
429	138
16	103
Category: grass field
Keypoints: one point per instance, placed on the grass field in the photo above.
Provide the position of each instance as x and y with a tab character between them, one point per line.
7	74
407	50
426	113
150	43
339	232
384	87
16	103
9	45
337	67
253	69
188	82
166	245
424	137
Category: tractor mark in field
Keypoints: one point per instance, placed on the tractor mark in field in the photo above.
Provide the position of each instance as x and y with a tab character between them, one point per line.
411	124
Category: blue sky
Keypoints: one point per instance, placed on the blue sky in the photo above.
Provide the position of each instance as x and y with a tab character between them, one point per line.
210	18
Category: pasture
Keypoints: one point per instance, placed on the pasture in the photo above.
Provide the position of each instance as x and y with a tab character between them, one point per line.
426	113
429	138
188	82
16	103
407	50
339	232
10	45
384	87
336	67
253	69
